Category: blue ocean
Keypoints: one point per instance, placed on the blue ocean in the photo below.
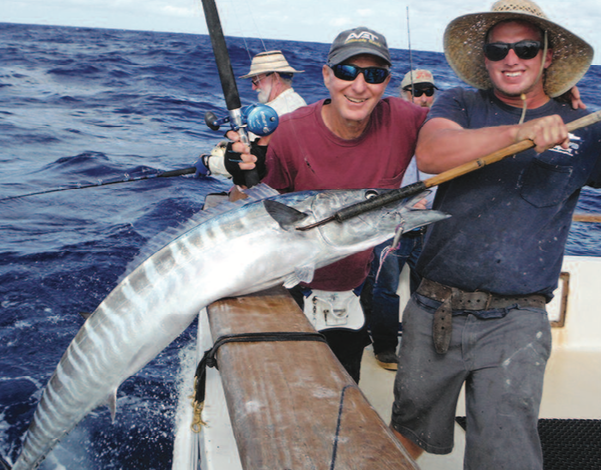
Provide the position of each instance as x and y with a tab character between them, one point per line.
82	106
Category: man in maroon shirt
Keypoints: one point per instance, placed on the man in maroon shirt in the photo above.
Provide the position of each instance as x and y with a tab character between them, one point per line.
355	139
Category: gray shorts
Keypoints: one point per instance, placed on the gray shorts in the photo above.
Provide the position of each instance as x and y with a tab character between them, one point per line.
502	362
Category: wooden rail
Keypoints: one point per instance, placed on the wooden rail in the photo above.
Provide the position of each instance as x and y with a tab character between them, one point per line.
292	405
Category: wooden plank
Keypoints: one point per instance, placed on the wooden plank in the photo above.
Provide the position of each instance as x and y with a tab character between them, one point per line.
292	404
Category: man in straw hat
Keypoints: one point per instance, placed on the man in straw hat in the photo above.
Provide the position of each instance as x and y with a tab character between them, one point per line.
479	316
354	139
271	76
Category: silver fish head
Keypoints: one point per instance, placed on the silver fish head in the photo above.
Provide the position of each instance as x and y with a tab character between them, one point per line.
373	227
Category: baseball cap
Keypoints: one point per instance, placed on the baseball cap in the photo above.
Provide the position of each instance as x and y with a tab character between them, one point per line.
423	77
357	41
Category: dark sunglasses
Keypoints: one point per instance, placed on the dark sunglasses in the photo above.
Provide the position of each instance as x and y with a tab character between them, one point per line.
256	80
526	49
372	75
417	93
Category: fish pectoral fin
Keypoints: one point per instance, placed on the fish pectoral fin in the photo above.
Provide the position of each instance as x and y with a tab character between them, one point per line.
85	315
302	274
111	402
284	215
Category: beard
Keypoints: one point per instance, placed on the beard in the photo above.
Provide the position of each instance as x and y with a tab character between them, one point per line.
263	94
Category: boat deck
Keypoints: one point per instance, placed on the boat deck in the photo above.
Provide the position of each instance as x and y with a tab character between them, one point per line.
572	385
571	388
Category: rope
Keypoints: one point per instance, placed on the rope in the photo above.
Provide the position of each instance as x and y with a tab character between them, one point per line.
209	360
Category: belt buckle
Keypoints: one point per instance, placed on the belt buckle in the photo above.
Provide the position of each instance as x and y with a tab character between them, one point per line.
489	297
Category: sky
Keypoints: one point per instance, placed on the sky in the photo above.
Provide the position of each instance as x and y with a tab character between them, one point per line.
416	23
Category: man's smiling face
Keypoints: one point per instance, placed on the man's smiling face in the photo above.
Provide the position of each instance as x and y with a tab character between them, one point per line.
513	76
354	101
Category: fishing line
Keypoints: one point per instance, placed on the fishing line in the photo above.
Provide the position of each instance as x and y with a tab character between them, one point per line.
252	17
411	76
127	179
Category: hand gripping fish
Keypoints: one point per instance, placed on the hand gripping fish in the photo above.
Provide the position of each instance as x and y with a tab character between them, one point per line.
235	249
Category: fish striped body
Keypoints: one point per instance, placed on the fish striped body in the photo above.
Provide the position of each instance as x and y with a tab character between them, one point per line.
235	252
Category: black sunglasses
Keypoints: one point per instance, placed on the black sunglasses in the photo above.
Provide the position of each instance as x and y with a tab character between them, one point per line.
348	72
525	49
417	93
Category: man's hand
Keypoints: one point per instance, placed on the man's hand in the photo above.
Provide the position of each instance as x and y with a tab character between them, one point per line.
238	158
546	133
572	96
248	160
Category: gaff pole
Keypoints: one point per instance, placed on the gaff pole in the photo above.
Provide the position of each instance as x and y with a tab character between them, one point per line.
415	188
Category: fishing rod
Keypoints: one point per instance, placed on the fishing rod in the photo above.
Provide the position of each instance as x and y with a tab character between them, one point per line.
410	63
127	179
415	188
228	81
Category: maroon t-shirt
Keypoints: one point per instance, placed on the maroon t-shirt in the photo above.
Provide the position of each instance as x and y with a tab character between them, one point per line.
304	154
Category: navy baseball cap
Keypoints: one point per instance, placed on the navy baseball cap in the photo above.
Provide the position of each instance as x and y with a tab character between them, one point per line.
357	41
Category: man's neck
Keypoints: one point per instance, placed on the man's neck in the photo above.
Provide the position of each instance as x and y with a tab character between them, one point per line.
534	99
277	89
343	128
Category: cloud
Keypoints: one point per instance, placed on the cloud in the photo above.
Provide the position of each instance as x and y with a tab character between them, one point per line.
178	11
365	12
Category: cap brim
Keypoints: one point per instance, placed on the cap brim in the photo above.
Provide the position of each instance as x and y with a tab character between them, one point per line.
347	54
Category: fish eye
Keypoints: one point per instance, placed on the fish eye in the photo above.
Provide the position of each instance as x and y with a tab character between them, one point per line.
370	193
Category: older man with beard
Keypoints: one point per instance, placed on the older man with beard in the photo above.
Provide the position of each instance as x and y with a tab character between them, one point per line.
271	76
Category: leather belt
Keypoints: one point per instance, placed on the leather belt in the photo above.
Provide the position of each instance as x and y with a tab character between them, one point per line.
418	232
453	298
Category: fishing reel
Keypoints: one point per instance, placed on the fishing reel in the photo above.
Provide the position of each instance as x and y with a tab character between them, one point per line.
259	119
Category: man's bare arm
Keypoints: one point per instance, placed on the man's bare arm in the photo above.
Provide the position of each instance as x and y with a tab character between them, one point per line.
443	144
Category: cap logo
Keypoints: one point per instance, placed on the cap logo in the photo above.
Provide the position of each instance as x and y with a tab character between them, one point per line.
363	36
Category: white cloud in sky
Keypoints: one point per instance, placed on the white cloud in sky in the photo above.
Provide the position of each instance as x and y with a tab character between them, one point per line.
365	12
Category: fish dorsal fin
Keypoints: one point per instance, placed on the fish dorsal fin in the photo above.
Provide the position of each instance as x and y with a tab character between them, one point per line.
300	274
284	215
85	315
159	241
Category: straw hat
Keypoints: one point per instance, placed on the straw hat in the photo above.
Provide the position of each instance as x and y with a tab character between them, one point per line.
270	61
464	42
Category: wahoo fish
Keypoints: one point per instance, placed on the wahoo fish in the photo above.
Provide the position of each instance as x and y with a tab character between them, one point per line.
233	249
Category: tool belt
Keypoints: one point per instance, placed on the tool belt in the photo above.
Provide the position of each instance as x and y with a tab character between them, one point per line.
457	299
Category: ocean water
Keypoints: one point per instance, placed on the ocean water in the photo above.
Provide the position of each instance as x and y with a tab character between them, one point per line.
84	106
